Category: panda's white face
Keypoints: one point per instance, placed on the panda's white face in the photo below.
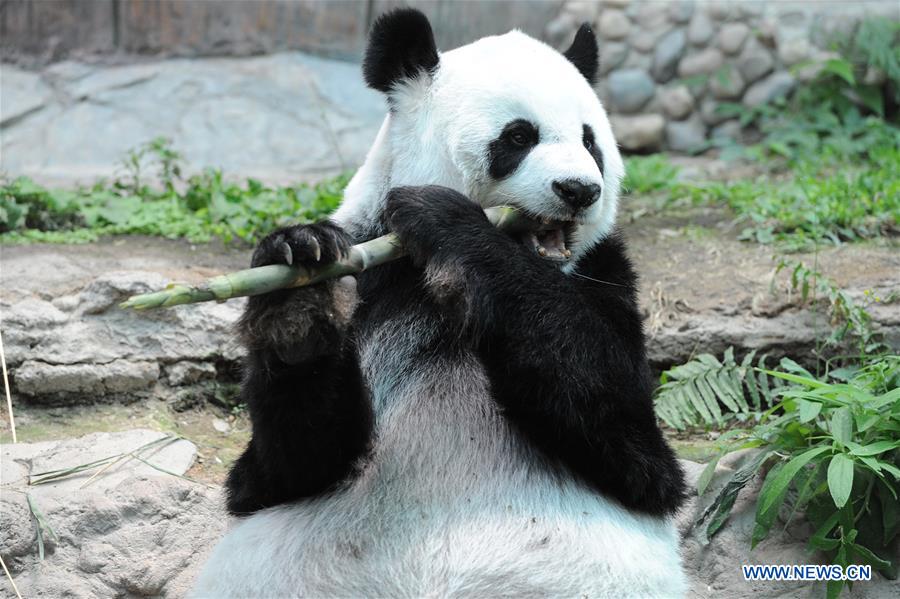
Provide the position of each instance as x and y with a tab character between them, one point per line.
508	120
504	120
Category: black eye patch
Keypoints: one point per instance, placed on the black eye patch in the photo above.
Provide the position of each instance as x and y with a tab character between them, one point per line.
590	144
511	147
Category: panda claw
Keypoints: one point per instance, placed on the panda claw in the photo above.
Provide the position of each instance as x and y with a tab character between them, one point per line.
317	249
287	253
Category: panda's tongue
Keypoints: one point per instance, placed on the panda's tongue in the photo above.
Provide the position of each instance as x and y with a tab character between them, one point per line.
550	243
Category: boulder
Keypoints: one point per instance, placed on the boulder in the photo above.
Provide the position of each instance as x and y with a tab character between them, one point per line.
774	86
676	101
613	25
641	132
704	62
630	89
700	31
729	130
732	37
668	52
612	55
792	51
709	112
680	11
726	83
755	61
686	136
129	531
95	352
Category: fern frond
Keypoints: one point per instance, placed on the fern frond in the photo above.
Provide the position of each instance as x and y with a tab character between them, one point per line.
706	391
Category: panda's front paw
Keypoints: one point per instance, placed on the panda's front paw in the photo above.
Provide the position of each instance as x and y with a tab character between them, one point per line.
302	244
431	218
306	322
655	484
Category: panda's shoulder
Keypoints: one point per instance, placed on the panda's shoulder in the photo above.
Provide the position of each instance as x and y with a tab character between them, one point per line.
609	258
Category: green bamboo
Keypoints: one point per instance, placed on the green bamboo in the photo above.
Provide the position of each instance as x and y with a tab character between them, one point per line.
264	279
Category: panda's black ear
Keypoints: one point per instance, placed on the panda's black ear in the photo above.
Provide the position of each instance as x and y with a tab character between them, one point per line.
401	45
584	53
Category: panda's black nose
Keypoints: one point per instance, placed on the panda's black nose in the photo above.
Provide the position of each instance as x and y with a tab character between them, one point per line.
575	193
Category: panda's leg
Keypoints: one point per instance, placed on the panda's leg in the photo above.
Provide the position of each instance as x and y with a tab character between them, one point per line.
565	353
310	412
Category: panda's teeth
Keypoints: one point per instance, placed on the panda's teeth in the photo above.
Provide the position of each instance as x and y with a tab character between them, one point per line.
567	253
542	250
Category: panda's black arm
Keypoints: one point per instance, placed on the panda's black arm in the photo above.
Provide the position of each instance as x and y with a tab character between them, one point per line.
311	422
566	359
565	353
310	411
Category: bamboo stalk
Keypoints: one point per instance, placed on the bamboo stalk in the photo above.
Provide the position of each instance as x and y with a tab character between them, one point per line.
264	279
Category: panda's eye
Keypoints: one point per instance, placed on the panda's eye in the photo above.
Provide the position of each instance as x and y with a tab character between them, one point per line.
519	138
589	144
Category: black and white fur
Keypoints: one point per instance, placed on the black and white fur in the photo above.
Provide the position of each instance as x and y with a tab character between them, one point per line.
474	419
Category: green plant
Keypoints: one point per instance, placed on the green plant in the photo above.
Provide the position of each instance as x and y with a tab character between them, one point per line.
817	203
694	393
848	320
833	450
200	208
646	174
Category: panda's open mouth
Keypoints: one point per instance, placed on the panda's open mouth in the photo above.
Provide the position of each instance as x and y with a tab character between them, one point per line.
551	240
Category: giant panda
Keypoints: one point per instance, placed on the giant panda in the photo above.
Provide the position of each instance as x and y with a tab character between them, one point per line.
474	419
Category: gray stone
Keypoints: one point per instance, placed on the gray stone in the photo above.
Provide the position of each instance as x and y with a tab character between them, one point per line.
617	3
681	11
638	60
686	136
704	62
645	40
68	70
792	51
613	25
560	31
311	117
667	54
33	313
612	55
131	530
630	89
722	10
709	112
726	83
187	372
752	8
755	61
774	86
102	80
677	102
59	382
732	37
582	10
700	31
110	289
650	16
21	94
640	132
729	130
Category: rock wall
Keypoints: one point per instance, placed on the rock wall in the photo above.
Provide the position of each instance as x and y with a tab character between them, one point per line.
667	67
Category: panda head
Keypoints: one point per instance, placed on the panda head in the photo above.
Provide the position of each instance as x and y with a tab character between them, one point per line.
506	120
